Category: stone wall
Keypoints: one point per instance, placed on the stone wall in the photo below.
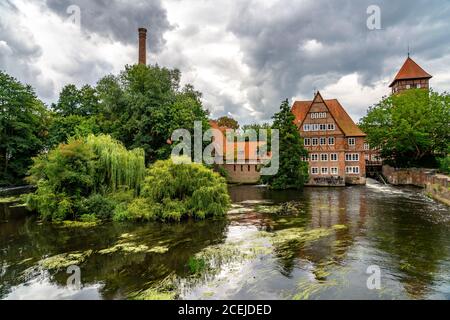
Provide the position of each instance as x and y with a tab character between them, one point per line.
436	185
242	173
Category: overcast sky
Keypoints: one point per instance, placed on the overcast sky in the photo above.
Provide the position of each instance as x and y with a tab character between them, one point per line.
245	56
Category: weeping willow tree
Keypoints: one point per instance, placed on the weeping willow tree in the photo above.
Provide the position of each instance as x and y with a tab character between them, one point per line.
173	191
83	177
117	167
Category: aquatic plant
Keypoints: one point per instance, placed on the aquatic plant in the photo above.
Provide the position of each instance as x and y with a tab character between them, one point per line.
166	289
65	260
196	265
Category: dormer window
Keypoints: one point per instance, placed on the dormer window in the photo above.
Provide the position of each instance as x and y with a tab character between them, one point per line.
351	141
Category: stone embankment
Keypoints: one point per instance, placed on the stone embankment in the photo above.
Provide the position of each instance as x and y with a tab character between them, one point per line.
436	185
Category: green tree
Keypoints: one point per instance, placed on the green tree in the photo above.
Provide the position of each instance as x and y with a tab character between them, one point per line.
73	101
173	191
144	104
228	122
257	127
83	176
293	171
411	128
23	122
75	114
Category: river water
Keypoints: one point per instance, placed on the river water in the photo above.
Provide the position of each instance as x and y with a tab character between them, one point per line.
319	243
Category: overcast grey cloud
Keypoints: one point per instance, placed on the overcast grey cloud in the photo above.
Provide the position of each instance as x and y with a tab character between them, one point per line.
119	19
245	56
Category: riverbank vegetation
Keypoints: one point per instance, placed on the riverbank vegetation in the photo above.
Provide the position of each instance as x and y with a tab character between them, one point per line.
97	178
410	129
80	179
172	191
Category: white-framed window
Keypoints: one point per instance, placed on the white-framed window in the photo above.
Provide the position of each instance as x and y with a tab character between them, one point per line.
352	170
306	127
334	157
331	127
374	157
419	86
323	127
314	170
323	141
334	170
331	141
315	141
367	157
318	115
351	157
324	170
351	141
366	146
307	141
408	86
314	157
315	127
323	157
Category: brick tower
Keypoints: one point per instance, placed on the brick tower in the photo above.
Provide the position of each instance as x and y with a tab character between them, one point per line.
142	46
410	76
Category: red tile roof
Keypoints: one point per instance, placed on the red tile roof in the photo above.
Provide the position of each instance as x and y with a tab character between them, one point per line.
410	70
301	108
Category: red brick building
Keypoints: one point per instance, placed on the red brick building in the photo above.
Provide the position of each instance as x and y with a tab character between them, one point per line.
247	163
410	76
334	142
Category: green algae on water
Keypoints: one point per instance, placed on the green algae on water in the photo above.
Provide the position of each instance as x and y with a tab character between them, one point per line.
77	224
128	246
166	289
10	200
65	260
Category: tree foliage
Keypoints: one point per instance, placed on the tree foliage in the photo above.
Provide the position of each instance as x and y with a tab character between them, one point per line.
411	128
143	106
174	191
80	169
293	171
23	122
228	122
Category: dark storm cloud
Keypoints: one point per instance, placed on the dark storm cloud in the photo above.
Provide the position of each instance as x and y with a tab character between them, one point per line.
118	19
272	41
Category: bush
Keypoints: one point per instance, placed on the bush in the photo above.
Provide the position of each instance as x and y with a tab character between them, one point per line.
171	192
97	205
85	177
444	165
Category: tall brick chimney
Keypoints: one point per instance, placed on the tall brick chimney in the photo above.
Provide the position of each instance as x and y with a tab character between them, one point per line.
142	46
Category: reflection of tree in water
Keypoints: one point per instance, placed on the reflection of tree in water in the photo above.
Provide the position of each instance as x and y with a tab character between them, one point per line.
29	242
416	246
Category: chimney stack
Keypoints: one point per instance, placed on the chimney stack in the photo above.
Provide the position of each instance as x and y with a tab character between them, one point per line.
142	46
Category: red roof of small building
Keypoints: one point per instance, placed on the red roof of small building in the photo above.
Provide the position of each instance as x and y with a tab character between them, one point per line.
301	108
410	70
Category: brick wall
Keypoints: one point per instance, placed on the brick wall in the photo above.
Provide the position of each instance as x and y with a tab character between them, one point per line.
242	173
437	185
